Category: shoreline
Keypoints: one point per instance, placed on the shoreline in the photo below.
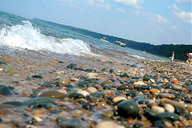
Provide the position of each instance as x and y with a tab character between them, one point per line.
72	91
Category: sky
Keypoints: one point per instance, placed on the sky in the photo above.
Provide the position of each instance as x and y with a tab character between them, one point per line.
151	21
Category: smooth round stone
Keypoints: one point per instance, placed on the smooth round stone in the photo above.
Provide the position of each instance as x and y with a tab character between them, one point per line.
178	110
84	93
166	95
167	117
132	94
27	92
72	66
87	106
62	91
53	94
4	90
128	109
169	108
9	69
108	114
152	80
155	91
39	100
14	103
157	109
109	124
74	79
76	95
97	94
139	83
91	75
177	87
106	82
83	84
118	98
91	89
125	87
63	82
143	101
74	123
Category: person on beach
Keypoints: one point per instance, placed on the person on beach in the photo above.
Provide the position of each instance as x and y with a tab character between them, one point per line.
172	57
189	59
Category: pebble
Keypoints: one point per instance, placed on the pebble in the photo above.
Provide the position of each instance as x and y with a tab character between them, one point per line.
109	124
167	95
4	90
139	83
84	93
91	75
53	94
155	91
119	98
169	108
91	89
157	109
128	109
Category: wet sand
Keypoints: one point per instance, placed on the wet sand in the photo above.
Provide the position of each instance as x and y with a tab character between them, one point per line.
52	90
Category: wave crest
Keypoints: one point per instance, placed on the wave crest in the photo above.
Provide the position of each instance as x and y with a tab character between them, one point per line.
27	37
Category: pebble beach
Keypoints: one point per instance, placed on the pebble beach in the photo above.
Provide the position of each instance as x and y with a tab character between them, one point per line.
38	91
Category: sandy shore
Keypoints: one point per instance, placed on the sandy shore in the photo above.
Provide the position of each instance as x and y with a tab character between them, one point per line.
39	90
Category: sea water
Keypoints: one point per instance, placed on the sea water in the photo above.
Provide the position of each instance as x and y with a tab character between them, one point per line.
25	34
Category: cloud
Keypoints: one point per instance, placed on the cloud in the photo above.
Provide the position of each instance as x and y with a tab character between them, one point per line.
160	19
156	18
99	3
131	3
182	15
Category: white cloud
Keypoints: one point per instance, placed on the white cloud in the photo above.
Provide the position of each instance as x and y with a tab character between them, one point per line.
132	3
100	3
160	19
156	18
182	15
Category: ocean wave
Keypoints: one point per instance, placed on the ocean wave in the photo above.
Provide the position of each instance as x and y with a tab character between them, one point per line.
27	37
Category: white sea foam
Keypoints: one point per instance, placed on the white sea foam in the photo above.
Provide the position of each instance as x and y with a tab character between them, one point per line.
27	37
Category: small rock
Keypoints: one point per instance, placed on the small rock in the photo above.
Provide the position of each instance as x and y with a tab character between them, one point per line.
4	90
63	82
27	92
139	83
157	109
109	124
118	98
91	75
155	91
74	123
166	95
91	89
53	94
128	108
84	93
9	69
169	108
